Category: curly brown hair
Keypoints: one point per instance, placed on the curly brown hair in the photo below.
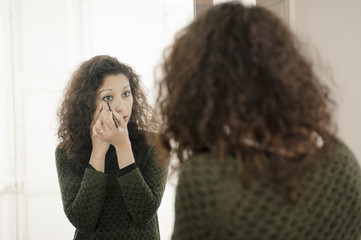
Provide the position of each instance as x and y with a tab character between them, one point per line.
76	111
235	83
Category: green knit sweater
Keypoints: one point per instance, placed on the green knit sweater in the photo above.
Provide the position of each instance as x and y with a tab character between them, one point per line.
110	206
210	205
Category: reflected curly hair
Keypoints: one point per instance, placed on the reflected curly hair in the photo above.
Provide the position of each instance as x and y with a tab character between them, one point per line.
76	111
235	83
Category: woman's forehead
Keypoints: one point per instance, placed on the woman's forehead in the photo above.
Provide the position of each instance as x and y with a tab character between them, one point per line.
118	81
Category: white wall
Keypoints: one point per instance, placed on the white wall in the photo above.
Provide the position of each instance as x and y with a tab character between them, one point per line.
7	168
333	27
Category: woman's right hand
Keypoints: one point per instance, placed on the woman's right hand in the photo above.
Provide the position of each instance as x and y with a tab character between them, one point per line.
99	146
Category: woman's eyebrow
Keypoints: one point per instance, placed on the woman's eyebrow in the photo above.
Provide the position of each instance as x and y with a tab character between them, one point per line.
126	87
105	90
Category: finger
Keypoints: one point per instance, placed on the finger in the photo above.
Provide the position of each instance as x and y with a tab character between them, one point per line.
99	128
97	111
102	115
97	131
96	115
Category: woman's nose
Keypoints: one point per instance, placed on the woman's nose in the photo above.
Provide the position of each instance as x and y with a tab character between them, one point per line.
118	105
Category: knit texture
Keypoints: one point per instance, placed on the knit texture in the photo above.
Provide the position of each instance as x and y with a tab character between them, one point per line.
210	205
105	206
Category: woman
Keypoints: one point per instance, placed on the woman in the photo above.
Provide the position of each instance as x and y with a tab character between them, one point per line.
110	183
251	125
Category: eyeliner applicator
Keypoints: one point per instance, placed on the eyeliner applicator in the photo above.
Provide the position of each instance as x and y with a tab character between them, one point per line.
114	119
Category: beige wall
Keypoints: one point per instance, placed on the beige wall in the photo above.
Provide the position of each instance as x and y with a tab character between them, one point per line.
333	27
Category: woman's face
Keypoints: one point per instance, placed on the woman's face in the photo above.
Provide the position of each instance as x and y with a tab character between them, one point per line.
116	90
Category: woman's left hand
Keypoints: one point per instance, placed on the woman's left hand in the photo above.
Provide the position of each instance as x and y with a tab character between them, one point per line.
116	137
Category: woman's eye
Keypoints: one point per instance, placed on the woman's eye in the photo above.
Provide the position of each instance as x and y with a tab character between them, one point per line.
126	94
107	98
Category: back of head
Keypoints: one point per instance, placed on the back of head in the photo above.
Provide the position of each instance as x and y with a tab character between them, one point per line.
235	83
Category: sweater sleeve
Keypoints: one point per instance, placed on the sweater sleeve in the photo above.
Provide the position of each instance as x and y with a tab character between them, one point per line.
143	189
82	193
196	201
